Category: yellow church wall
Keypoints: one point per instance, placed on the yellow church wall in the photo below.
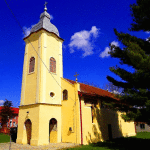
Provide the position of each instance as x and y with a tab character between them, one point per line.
108	116
119	127
86	122
40	115
47	112
50	82
91	131
33	115
36	86
70	114
128	128
29	88
103	117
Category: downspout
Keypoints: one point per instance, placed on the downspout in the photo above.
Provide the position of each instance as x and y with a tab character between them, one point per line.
135	127
81	118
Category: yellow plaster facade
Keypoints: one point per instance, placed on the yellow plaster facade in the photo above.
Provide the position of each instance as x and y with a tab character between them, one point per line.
46	118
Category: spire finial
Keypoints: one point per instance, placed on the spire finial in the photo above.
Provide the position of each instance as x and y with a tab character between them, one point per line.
45	9
76	76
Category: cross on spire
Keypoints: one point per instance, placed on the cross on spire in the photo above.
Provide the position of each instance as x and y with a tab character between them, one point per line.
45	9
76	76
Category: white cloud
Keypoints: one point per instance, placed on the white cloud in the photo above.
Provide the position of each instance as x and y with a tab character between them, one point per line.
105	52
1	102
84	41
147	39
51	17
63	46
115	43
148	32
107	49
26	31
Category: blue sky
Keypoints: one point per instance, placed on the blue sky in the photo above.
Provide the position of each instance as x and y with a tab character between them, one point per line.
86	27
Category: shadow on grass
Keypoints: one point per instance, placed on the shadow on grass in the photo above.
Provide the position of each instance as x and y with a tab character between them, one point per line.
129	143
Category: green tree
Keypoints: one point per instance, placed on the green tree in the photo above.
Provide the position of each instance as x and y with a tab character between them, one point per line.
141	16
6	111
136	54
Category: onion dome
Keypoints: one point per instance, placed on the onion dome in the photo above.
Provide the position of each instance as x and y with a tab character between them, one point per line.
45	23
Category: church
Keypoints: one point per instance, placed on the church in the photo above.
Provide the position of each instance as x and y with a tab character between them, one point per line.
54	109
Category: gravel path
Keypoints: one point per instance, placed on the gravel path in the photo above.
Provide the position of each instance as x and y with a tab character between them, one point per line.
52	146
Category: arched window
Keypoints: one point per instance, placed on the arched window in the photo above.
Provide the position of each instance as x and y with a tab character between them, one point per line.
52	65
65	94
32	64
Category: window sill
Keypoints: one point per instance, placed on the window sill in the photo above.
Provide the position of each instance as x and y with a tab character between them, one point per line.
52	73
31	72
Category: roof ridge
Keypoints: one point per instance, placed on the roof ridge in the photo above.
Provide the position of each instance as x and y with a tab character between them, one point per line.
89	85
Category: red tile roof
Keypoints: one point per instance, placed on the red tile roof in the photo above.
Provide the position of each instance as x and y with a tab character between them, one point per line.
84	88
16	110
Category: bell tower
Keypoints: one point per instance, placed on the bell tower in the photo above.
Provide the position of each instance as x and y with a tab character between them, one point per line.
41	83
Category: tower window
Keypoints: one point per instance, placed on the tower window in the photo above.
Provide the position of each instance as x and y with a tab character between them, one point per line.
32	64
65	94
52	65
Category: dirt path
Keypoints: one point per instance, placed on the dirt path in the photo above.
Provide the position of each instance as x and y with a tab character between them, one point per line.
52	146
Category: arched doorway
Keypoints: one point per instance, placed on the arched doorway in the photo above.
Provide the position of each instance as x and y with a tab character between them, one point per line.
109	131
28	126
53	130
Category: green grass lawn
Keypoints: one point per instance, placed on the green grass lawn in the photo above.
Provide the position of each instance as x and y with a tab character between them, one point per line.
140	141
4	138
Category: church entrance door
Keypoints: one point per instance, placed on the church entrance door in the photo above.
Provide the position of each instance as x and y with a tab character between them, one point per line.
109	132
28	126
53	130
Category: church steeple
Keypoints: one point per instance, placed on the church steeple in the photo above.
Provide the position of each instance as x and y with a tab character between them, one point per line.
45	23
41	93
44	37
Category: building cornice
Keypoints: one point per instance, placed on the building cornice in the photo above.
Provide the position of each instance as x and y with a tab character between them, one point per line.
40	30
37	104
